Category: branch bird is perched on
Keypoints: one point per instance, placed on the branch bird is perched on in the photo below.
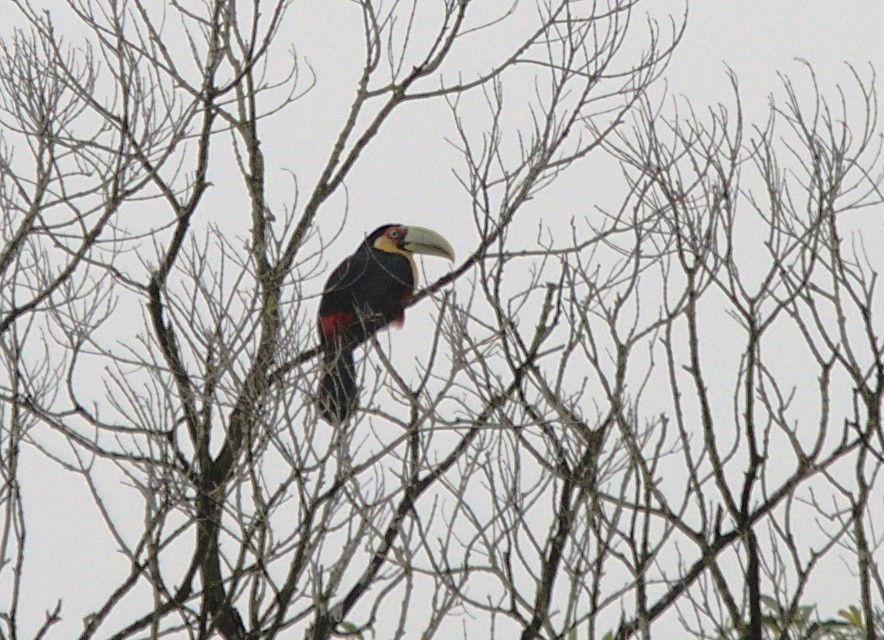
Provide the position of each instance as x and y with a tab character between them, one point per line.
364	294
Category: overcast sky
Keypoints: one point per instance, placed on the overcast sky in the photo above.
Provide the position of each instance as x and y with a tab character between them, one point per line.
758	39
755	38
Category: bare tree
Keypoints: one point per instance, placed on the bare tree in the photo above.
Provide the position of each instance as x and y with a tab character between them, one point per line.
756	241
601	433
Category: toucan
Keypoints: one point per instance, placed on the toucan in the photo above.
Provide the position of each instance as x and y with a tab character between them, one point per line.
364	294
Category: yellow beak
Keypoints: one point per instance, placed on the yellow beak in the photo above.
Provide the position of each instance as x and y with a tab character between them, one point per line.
427	241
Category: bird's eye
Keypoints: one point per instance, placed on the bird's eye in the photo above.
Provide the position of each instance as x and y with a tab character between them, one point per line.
394	233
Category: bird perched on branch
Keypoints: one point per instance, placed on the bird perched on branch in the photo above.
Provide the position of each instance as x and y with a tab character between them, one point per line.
364	294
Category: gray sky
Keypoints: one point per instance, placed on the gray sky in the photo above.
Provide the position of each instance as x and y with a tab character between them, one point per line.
756	39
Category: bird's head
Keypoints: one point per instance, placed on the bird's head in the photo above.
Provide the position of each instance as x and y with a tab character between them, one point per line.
397	238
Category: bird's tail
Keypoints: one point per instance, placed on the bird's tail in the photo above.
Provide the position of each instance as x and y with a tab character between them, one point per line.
338	393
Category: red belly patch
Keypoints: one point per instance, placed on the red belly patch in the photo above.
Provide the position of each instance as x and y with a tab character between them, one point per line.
399	320
334	323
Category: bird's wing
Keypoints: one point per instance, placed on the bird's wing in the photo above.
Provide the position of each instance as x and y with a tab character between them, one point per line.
364	294
336	309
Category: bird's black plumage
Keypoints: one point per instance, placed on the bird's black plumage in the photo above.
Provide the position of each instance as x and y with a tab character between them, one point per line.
371	283
363	294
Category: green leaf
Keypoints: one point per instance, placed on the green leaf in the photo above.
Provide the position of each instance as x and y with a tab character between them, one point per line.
345	628
771	622
853	616
804	612
771	604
